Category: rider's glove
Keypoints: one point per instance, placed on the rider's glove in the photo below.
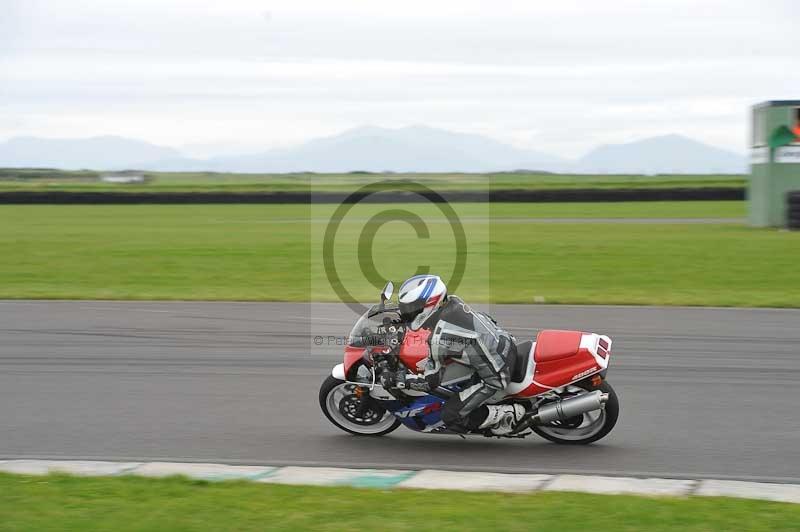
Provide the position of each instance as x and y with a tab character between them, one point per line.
404	381
417	383
388	380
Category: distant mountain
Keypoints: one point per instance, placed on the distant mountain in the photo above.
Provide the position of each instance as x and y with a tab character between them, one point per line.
100	153
376	149
666	154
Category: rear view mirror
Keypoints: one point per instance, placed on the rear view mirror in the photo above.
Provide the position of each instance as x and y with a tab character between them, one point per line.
388	290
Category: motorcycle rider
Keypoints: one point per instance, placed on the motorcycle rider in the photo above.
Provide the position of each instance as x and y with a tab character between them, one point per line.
473	339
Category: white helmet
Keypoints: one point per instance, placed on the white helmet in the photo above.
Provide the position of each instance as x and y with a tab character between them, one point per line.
420	297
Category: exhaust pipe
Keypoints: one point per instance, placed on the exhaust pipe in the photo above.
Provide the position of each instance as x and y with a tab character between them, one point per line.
572	407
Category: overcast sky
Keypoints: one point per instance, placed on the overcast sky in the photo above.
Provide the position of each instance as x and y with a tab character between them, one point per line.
559	76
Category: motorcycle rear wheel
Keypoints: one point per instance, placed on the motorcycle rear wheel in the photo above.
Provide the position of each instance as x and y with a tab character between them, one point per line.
335	396
586	429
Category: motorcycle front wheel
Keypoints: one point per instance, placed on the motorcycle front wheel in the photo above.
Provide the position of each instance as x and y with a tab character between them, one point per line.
353	413
588	427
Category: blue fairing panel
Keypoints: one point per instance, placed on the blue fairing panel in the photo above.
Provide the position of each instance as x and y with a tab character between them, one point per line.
422	413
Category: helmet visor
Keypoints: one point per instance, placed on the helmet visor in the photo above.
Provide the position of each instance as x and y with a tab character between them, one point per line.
409	311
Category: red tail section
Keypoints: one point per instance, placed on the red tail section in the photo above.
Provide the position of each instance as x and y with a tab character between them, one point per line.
564	357
555	345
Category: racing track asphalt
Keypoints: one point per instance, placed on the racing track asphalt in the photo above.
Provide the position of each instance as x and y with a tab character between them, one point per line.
704	392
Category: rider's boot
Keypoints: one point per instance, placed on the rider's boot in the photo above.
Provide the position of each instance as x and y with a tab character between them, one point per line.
502	418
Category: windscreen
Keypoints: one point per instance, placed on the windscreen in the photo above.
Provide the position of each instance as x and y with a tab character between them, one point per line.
369	329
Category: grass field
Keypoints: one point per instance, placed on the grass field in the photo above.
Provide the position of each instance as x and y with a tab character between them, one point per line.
273	252
32	179
128	503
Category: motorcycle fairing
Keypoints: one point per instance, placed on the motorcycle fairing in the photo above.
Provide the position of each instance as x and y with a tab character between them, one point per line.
554	345
414	350
351	356
559	358
423	413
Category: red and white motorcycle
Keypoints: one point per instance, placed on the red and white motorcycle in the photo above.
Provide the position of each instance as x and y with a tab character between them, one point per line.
559	378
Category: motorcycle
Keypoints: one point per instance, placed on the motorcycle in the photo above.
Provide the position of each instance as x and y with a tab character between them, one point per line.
559	378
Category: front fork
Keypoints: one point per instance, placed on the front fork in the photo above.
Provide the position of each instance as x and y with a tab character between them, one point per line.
364	400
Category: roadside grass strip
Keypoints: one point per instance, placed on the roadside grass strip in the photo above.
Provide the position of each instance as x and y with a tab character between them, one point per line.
427	479
276	253
125	502
49	180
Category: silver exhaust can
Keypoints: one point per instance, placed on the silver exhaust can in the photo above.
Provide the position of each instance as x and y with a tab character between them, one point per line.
572	407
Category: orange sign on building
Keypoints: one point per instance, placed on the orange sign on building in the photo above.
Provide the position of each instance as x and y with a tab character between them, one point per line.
796	127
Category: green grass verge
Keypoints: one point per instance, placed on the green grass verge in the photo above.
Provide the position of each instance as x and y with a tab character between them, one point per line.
47	180
58	502
272	252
